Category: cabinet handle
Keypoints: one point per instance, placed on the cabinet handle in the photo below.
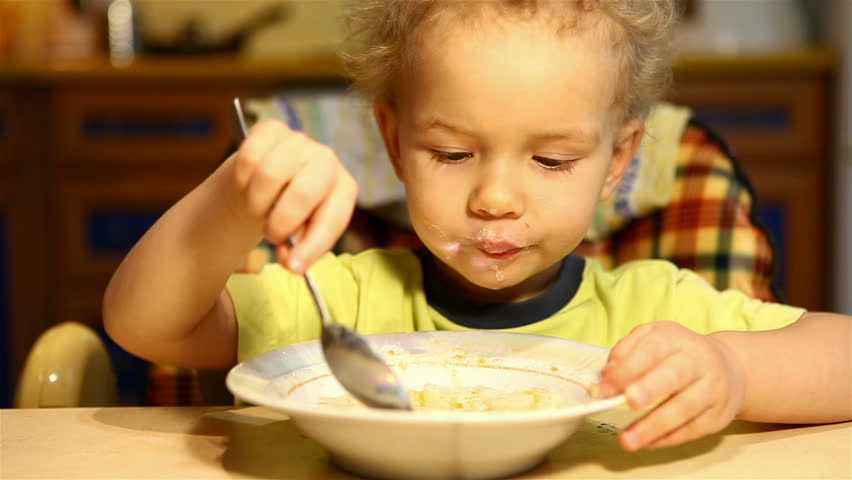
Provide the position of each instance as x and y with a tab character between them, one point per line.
135	125
757	117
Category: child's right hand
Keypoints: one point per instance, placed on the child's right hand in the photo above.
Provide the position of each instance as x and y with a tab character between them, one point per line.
294	185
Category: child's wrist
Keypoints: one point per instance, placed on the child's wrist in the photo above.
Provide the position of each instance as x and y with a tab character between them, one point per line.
725	341
236	206
227	216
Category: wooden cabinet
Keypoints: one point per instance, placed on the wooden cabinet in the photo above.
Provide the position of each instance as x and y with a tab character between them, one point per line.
22	265
91	156
21	289
5	308
141	130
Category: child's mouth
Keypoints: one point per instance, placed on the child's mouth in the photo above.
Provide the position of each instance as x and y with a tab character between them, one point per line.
499	251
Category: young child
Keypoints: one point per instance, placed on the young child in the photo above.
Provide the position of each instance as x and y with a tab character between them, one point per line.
506	121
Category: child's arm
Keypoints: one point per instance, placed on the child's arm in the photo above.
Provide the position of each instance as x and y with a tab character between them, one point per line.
797	374
166	302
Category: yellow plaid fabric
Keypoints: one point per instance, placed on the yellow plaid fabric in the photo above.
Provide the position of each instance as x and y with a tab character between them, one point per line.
708	225
168	385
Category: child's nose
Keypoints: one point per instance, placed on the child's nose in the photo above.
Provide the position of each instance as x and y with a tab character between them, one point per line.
497	195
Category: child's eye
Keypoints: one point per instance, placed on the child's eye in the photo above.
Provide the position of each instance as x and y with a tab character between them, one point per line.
553	164
451	157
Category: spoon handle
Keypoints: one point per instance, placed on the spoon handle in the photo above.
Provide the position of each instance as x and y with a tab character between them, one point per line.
242	130
323	310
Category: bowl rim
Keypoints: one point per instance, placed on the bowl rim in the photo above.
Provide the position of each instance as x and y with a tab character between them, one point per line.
299	409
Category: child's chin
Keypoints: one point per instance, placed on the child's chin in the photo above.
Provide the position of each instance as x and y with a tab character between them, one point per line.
490	280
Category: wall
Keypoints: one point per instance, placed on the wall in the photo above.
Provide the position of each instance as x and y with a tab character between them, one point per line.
310	25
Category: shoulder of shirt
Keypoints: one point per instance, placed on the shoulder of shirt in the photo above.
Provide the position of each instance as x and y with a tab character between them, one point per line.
651	268
365	260
633	265
386	263
378	255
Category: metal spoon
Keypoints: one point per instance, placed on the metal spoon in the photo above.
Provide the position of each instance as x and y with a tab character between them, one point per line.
351	360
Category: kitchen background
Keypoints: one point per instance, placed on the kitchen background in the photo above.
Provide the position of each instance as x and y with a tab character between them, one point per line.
110	110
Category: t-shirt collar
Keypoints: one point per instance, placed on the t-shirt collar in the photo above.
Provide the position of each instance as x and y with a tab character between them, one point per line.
491	315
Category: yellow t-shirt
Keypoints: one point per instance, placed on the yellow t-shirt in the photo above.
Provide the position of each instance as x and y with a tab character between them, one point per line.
382	291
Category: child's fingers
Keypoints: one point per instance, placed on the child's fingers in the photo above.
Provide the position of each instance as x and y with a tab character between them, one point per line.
251	152
296	204
647	354
283	250
704	424
674	413
272	174
620	351
677	372
626	345
326	225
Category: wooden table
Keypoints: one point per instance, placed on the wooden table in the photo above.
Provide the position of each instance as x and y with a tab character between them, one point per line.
255	442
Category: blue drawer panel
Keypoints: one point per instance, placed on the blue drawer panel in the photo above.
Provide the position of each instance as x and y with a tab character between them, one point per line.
773	217
5	320
115	231
763	118
101	126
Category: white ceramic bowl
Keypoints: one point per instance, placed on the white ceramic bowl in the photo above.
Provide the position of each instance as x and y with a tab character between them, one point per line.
430	444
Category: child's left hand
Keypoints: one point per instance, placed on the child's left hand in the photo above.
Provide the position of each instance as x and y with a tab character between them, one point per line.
698	377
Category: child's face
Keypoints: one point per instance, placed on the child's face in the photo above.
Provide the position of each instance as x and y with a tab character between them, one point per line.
505	139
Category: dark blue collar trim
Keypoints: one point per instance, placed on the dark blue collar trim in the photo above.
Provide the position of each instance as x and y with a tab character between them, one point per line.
484	315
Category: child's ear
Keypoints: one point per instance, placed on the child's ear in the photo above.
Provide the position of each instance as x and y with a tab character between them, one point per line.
388	126
625	147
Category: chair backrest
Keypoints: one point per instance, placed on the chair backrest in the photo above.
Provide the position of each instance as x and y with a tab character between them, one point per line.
68	366
709	225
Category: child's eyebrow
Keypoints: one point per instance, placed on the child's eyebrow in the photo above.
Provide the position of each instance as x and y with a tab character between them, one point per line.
573	134
439	124
576	135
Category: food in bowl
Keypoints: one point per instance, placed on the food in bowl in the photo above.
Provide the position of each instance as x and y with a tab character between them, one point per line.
477	398
485	399
437	443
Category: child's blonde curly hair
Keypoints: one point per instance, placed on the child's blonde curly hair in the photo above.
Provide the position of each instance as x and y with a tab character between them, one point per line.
386	32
